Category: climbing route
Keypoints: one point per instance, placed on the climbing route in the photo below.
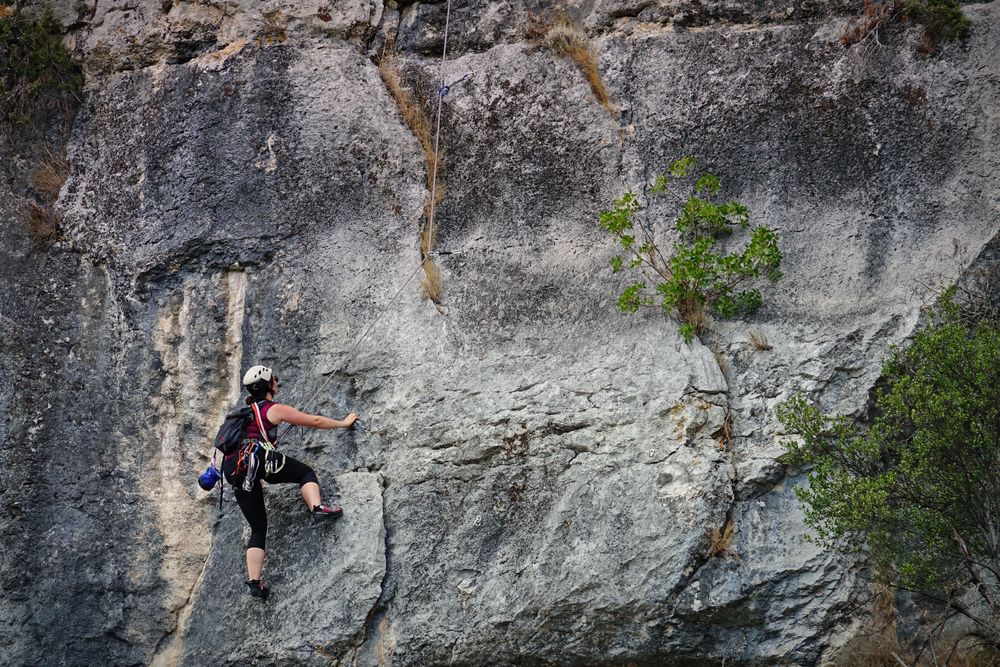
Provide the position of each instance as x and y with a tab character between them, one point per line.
442	90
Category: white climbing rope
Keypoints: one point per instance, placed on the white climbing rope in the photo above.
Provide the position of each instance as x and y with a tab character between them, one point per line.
442	90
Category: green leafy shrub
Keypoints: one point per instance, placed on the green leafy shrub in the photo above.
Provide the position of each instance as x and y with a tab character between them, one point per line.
943	21
918	489
694	273
37	72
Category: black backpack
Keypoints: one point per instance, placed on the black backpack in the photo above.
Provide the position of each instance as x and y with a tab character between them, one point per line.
233	430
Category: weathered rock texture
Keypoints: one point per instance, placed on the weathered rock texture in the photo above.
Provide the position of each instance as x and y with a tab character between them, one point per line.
535	474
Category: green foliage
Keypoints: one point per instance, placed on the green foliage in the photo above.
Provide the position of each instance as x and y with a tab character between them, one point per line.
918	490
694	273
943	20
687	331
37	72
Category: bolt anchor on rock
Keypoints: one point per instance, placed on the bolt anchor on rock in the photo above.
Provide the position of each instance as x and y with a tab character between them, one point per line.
445	88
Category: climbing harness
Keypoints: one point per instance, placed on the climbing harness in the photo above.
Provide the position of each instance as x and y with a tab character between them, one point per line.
442	91
256	453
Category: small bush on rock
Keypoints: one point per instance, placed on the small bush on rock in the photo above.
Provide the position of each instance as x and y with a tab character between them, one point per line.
942	20
918	490
37	71
694	273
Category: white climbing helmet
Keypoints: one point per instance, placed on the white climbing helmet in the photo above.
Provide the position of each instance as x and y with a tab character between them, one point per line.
257	373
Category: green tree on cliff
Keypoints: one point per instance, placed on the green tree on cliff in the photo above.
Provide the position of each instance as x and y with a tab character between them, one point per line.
918	489
37	72
693	273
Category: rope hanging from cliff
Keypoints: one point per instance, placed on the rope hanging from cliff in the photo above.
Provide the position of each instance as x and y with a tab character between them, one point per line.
442	90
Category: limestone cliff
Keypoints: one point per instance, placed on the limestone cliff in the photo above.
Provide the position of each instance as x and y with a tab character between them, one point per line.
536	473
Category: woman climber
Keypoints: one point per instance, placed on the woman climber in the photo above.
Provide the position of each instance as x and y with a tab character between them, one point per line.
257	460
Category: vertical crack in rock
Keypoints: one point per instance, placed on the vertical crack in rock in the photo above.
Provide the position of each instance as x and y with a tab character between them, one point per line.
423	130
169	649
376	623
729	439
625	98
381	29
700	558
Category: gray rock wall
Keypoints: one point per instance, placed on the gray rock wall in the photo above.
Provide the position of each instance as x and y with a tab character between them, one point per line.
535	474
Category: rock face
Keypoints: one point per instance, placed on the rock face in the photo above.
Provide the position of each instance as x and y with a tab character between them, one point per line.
536	476
326	579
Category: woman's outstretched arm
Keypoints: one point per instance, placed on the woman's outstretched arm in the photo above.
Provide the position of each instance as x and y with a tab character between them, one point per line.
280	414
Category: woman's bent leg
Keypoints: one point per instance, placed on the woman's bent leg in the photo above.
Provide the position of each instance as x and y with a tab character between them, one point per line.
299	473
252	505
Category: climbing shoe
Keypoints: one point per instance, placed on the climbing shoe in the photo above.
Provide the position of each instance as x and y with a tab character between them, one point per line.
258	589
326	512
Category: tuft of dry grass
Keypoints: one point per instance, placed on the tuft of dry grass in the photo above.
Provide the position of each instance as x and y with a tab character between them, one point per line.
415	119
568	41
565	38
431	280
760	342
877	644
410	109
438	196
720	541
536	27
725	434
426	240
48	179
43	223
874	16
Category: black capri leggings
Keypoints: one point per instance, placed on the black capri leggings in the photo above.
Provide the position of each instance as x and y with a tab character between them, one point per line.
252	501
